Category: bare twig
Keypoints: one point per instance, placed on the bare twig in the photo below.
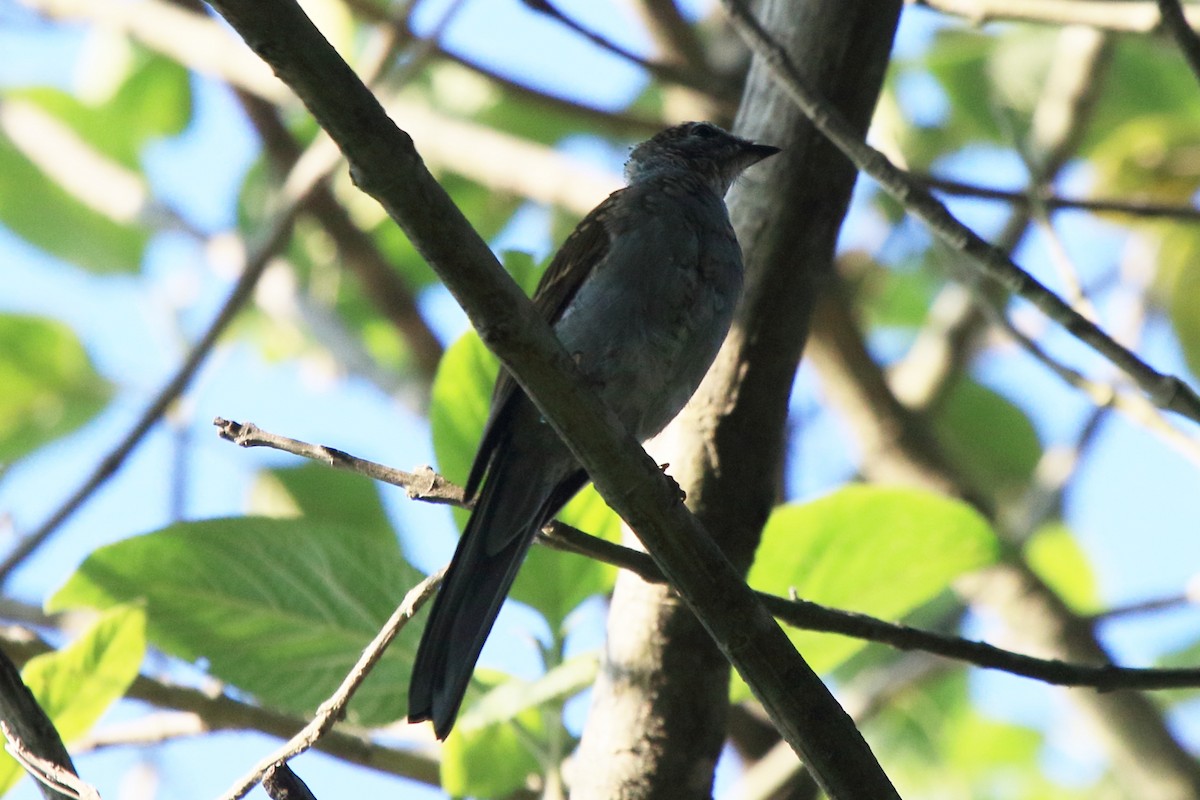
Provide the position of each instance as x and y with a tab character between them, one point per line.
1166	391
1131	208
333	708
794	611
423	485
685	75
1130	16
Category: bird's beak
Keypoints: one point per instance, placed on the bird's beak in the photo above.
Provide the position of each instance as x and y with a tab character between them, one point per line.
757	152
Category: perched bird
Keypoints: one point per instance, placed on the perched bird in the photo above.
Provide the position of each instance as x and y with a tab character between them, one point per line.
641	295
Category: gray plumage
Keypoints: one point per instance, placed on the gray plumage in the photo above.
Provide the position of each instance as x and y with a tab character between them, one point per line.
642	295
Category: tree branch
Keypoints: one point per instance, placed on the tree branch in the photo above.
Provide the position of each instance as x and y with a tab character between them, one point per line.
386	166
1166	391
1052	202
429	486
1129	16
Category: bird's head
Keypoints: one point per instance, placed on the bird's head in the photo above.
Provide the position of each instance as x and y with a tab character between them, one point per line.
699	147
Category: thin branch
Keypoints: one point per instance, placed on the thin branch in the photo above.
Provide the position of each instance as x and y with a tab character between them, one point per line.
1129	16
201	712
699	81
796	612
422	485
33	739
673	33
1166	391
56	781
1177	25
332	709
1052	202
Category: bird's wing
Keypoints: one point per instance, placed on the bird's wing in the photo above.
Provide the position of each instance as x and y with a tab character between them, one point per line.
587	244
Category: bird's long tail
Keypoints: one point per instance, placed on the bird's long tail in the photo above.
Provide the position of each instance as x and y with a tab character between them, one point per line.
508	513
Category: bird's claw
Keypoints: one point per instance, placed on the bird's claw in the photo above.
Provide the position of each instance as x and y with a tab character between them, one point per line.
679	489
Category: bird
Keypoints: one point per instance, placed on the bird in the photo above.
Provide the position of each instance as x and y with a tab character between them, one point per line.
641	295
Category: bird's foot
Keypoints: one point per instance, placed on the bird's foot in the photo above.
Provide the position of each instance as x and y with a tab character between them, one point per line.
679	489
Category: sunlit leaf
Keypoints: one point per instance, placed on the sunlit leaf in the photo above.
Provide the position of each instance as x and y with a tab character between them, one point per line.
491	758
988	437
1055	555
44	214
877	550
77	684
279	608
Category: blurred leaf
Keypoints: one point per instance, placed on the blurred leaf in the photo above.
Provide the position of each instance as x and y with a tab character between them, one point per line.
992	83
1177	286
1055	555
511	698
460	398
40	211
1152	157
154	101
486	209
898	297
555	583
876	550
459	91
1137	62
988	437
492	759
50	386
524	270
552	582
278	608
78	683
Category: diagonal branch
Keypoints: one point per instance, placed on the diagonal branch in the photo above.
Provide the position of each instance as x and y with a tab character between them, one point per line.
431	487
385	164
1177	25
1166	391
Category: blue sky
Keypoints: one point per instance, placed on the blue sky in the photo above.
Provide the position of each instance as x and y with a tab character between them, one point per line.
1134	508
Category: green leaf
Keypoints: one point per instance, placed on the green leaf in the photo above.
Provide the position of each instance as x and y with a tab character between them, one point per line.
1177	285
318	493
1136	62
988	436
552	582
279	608
555	583
50	386
876	550
77	684
1055	555
44	214
491	759
154	101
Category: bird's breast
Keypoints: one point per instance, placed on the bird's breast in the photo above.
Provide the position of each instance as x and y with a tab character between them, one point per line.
647	324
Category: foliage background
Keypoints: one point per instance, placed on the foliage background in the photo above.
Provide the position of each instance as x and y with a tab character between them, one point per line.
129	185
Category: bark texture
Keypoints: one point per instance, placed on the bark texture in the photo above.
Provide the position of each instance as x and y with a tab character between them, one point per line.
657	722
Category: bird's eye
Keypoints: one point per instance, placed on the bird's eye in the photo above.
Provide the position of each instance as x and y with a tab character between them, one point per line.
706	131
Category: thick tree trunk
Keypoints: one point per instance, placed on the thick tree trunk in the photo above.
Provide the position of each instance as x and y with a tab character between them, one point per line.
657	722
